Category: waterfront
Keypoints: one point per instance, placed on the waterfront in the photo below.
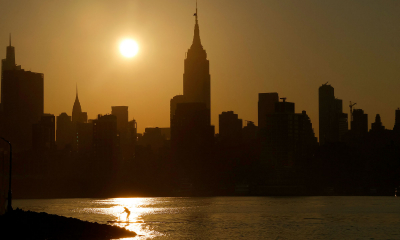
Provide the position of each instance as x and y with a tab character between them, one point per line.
238	217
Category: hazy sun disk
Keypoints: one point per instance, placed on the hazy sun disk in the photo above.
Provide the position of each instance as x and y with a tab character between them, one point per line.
128	48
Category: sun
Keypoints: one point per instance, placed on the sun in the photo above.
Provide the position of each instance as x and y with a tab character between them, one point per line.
128	48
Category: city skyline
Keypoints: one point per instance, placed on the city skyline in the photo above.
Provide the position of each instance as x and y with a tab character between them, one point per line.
243	65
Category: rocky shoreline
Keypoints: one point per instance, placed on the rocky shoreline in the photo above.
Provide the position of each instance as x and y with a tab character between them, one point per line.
19	224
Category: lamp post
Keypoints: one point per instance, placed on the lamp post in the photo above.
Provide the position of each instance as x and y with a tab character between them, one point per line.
9	206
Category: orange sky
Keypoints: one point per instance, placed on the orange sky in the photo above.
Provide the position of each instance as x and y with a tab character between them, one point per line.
289	47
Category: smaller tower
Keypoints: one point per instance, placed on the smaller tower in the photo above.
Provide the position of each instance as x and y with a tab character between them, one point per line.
76	110
397	120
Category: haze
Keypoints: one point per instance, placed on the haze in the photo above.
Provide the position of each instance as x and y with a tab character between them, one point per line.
289	47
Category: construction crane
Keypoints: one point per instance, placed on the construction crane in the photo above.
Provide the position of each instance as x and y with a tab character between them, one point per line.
351	110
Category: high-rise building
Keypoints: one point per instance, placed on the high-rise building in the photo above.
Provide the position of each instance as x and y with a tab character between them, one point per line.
266	105
43	138
77	114
288	143
359	125
9	62
84	137
230	128
397	120
249	132
121	112
332	121
173	104
196	76
128	148
106	142
377	125
78	118
65	131
154	138
22	98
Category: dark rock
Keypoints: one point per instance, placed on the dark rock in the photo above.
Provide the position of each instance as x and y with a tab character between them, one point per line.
19	224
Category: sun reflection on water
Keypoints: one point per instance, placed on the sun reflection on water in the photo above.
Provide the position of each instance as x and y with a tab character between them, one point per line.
114	209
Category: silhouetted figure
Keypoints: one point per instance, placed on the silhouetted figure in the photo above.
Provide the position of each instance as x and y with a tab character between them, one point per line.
127	212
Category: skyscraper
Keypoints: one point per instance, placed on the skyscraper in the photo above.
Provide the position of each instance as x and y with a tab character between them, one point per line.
377	125
359	125
44	133
230	128
9	62
288	144
173	104
332	121
78	118
266	105
77	114
22	100
65	131
105	143
397	120
196	76
121	112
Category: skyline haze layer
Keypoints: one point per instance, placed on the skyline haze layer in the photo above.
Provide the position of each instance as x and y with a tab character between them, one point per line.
287	47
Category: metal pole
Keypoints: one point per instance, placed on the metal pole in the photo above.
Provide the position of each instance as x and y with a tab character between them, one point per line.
9	205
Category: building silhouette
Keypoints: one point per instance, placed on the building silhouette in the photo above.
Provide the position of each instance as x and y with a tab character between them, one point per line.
192	135
155	138
121	112
65	131
79	118
84	138
77	114
396	127
289	143
332	121
249	132
131	135
22	100
196	76
191	129
377	125
230	128
9	62
43	138
359	124
105	144
192	138
173	104
266	105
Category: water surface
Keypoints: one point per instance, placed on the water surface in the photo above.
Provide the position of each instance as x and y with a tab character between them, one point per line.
237	217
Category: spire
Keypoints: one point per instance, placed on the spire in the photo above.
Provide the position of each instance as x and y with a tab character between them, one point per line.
10	39
76	109
196	36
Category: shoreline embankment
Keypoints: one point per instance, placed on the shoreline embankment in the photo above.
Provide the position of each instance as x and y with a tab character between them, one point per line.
19	224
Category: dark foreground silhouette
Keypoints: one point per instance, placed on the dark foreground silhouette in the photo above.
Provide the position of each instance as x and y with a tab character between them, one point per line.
20	224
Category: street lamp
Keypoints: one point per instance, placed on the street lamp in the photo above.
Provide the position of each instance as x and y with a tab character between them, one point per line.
9	206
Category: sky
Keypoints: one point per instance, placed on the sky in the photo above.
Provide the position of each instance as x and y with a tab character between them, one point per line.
286	46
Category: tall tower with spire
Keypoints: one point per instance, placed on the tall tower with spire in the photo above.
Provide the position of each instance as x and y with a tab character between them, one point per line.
9	62
196	76
77	114
22	101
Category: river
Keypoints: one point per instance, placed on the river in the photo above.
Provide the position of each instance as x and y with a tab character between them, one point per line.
237	217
